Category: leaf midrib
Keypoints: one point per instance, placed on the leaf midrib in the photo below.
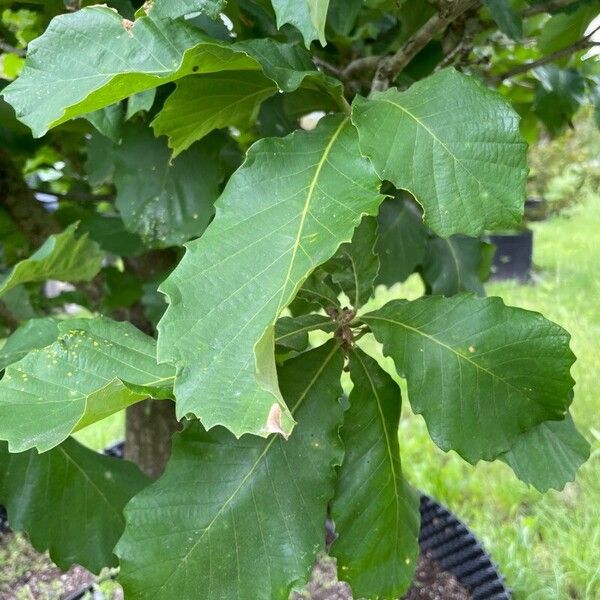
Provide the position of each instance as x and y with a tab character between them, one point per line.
305	210
388	444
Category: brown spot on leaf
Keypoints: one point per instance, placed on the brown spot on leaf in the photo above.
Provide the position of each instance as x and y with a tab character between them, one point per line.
128	26
274	421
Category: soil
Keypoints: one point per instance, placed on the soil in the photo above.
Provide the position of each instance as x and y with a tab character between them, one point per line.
28	575
431	583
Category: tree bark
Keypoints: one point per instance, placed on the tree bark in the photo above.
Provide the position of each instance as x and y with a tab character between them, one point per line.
29	215
149	425
149	428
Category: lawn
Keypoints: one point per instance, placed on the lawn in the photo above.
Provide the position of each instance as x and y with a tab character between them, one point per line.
547	546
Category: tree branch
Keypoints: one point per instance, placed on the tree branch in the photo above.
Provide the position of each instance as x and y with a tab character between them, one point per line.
547	7
361	65
5	47
327	66
352	70
29	215
390	66
74	195
582	44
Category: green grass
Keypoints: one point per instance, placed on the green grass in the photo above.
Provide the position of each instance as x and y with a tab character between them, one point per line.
547	546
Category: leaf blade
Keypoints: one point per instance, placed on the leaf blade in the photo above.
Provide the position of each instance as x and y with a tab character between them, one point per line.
549	455
265	255
401	240
109	66
77	380
32	486
34	333
228	100
377	544
456	264
165	201
475	365
466	142
61	256
308	16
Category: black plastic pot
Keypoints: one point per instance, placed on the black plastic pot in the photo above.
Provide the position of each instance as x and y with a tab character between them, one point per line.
449	542
536	209
513	257
3	520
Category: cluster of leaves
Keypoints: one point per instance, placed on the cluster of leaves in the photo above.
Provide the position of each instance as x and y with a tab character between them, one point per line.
185	122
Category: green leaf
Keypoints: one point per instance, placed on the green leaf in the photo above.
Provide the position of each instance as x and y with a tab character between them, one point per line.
291	66
558	96
292	333
480	372
92	58
33	334
507	19
375	510
70	501
77	380
549	455
452	143
309	192
166	202
100	164
18	303
342	15
141	102
566	28
308	16
108	58
355	265
401	241
202	103
317	292
173	9
457	264
233	99
108	121
61	256
109	231
263	500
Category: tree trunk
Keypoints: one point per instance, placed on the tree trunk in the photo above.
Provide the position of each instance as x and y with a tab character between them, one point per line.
29	215
149	425
149	428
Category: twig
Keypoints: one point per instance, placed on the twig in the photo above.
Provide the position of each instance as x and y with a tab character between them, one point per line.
352	69
360	65
326	66
547	7
8	48
73	195
390	66
585	42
